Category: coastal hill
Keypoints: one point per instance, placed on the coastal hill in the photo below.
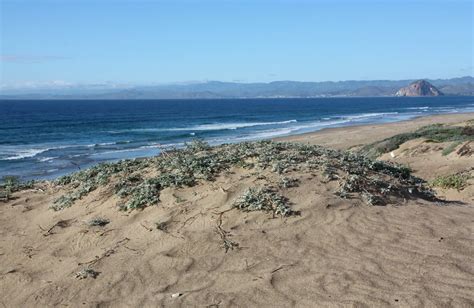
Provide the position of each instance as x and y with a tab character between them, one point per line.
222	90
419	88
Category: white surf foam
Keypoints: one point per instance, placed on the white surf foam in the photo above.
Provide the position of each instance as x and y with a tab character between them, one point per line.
44	159
216	126
418	108
370	115
22	153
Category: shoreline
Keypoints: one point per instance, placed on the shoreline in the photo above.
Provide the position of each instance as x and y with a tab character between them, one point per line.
335	137
367	133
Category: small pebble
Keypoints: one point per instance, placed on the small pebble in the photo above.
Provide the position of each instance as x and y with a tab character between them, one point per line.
175	295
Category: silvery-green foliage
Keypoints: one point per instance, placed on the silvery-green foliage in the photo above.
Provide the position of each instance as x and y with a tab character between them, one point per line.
358	175
263	199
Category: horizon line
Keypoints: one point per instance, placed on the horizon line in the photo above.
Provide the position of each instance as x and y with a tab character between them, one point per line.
61	84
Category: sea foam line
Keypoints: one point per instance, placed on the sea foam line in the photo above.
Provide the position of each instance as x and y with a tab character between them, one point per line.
19	154
216	126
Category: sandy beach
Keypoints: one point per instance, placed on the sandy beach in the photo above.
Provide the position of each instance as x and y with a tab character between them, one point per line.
352	136
194	248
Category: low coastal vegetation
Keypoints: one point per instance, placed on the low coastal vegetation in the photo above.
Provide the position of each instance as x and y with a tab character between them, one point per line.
98	222
456	181
11	184
138	183
450	148
263	199
86	273
432	133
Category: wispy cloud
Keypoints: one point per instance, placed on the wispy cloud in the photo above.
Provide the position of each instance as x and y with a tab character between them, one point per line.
62	85
12	58
37	84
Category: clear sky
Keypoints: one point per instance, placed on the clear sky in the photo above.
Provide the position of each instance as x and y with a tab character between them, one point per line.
143	42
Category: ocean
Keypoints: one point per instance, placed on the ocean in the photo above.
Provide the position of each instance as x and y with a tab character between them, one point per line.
44	139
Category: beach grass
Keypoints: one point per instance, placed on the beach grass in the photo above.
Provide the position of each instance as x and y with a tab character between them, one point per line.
432	133
450	148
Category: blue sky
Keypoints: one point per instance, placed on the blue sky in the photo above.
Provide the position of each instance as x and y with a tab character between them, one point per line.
143	42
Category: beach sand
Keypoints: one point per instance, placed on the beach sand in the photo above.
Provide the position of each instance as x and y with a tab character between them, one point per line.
353	136
337	253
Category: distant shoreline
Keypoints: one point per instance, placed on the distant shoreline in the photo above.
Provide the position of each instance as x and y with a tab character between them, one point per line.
349	136
224	98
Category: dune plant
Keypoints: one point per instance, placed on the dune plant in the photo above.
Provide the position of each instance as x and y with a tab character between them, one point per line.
432	133
98	222
450	148
10	184
288	182
143	195
86	181
87	273
358	174
456	181
263	199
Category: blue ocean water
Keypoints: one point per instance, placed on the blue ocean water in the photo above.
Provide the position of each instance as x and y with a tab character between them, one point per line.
48	138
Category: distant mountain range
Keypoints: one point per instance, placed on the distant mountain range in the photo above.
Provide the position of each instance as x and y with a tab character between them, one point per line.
217	89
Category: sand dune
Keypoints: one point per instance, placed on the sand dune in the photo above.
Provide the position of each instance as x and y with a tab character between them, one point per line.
337	252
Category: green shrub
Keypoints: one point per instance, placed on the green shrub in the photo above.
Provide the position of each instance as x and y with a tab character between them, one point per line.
86	181
11	181
124	186
63	202
10	184
454	181
263	199
145	194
